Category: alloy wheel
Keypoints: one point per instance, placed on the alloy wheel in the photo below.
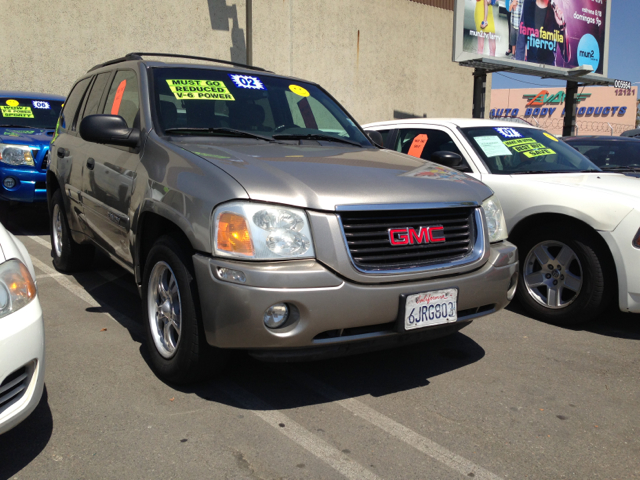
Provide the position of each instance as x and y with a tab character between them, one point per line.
553	274
164	309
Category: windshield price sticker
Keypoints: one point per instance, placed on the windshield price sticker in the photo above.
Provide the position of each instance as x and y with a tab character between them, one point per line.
431	308
539	152
508	132
549	136
17	112
527	146
247	81
13	103
521	141
199	90
41	104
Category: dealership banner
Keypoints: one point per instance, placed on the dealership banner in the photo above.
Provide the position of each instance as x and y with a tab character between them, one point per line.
557	33
600	110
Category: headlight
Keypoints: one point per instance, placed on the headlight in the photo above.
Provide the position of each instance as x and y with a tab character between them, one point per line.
16	287
496	223
258	231
16	154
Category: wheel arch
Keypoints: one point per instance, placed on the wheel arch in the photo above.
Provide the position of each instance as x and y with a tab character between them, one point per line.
52	185
153	223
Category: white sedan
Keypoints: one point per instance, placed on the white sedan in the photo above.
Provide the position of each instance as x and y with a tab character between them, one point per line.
21	334
576	227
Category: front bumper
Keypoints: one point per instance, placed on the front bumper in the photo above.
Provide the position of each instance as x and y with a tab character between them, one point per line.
21	364
30	184
330	310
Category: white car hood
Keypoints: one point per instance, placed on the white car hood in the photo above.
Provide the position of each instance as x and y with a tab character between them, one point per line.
609	182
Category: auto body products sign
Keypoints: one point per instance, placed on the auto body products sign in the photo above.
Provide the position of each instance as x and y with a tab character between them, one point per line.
560	33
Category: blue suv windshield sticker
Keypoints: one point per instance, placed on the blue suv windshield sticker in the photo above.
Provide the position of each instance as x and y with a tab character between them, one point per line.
17	112
298	90
41	104
247	81
508	132
199	90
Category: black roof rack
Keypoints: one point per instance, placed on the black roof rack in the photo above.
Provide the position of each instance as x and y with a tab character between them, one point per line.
139	55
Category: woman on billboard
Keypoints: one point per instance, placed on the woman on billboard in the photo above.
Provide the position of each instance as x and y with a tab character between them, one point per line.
543	31
483	17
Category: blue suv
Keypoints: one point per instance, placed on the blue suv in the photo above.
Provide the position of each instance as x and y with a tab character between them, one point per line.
27	125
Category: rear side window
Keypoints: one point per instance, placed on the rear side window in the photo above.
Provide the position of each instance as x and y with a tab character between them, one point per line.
123	98
70	108
93	102
424	142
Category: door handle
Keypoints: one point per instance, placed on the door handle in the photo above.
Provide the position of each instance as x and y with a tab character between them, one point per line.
91	163
63	152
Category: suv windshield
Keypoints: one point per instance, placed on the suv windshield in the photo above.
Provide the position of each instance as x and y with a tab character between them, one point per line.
514	150
197	101
29	112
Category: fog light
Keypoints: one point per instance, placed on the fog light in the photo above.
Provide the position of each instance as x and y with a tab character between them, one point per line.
231	275
276	315
10	182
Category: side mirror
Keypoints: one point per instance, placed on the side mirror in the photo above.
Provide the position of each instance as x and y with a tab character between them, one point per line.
110	130
448	159
375	137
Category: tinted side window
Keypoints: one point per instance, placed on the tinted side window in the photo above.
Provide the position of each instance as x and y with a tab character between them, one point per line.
385	137
123	98
410	143
70	109
93	102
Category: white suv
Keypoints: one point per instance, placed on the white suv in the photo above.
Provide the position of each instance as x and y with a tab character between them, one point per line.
576	227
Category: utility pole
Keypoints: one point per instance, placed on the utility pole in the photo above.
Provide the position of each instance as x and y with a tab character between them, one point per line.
249	20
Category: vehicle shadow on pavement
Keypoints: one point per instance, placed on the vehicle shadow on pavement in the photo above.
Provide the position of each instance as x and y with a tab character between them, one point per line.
611	323
28	219
286	385
21	445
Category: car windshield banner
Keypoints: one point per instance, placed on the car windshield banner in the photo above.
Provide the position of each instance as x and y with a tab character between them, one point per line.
558	33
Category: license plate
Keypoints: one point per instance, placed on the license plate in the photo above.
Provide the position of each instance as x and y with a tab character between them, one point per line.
431	308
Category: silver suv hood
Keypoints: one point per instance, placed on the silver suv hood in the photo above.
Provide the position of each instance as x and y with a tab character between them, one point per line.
322	177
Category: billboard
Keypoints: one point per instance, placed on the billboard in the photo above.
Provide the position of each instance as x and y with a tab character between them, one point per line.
552	34
600	110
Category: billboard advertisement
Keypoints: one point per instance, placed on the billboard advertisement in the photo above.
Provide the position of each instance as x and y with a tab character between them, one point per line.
556	34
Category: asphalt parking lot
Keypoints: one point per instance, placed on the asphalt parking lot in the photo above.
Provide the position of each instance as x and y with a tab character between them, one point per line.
506	397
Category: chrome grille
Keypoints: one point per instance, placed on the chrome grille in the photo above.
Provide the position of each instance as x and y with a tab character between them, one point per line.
367	236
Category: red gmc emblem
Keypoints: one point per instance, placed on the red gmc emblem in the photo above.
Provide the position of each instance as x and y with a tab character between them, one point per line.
411	236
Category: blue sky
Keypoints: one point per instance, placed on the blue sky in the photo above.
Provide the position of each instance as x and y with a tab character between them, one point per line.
624	51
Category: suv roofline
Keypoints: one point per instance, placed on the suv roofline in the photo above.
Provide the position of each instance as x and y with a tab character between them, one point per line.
138	56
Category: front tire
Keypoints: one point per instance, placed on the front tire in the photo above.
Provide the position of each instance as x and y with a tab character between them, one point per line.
175	337
566	275
68	255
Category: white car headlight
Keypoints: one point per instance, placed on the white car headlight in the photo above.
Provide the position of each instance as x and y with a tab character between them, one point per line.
258	231
17	288
16	154
496	223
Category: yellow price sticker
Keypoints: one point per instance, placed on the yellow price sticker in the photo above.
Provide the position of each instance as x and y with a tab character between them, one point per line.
199	90
13	103
549	136
16	112
519	141
539	152
298	90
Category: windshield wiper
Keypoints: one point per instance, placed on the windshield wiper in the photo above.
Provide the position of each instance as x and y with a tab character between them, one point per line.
8	125
314	136
620	169
205	130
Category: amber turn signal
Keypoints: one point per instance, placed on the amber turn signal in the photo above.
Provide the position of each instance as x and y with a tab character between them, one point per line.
233	234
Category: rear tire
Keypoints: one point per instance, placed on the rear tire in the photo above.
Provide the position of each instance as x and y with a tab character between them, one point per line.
566	275
175	337
68	255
